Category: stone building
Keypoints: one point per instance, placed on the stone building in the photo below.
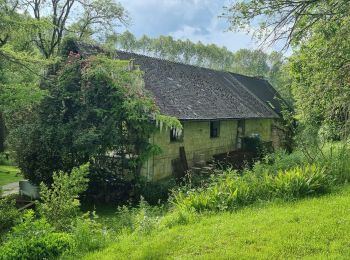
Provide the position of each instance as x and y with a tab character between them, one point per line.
216	109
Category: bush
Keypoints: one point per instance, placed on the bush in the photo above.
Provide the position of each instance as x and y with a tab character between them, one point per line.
60	203
34	239
337	161
89	235
280	160
230	191
9	215
179	217
142	219
301	182
156	192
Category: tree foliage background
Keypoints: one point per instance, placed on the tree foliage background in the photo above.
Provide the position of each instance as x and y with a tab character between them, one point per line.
317	31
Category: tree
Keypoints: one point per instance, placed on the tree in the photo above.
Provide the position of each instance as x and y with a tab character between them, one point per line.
251	63
321	78
97	16
20	68
127	41
290	21
96	111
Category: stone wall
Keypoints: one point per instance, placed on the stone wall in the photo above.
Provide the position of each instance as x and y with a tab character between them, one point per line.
197	140
259	126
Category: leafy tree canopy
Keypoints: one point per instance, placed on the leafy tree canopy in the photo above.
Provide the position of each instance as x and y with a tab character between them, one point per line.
318	32
288	20
96	108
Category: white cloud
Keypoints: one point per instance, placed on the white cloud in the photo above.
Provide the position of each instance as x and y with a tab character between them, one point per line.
196	20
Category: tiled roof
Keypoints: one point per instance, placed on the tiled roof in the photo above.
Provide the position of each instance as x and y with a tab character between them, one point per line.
194	93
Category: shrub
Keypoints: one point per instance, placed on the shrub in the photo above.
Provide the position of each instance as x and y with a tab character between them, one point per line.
300	182
89	235
60	203
142	219
230	191
9	215
34	239
156	192
279	160
337	161
179	217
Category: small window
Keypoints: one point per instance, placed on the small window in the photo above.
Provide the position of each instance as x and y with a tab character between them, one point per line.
214	129
176	135
241	127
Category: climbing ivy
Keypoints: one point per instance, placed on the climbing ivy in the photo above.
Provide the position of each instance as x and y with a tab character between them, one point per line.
96	108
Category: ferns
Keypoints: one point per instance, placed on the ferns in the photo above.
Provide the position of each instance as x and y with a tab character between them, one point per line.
230	191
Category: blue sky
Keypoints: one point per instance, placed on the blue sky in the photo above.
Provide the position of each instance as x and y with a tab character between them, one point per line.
196	20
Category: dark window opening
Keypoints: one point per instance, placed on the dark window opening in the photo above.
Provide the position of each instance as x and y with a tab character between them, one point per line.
241	127
176	135
214	129
240	133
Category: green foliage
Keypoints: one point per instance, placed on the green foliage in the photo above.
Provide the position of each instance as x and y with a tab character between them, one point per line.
320	80
97	111
280	161
34	239
314	228
88	235
155	192
96	106
6	159
9	215
140	219
336	159
230	191
59	202
318	69
9	174
275	20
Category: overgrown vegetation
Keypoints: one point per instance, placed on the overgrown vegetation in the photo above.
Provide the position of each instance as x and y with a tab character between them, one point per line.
314	228
72	234
231	191
97	111
58	113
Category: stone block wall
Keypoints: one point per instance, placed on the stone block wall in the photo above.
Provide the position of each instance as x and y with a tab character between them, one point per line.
197	140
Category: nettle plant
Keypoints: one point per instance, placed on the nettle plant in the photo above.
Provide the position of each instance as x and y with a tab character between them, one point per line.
97	108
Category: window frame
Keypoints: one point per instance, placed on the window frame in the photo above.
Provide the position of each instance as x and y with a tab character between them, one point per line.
212	128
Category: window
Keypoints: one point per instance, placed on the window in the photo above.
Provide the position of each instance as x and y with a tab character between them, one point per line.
176	135
240	133
214	129
241	127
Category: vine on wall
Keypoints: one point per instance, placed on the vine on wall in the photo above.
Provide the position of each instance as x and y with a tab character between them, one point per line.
96	107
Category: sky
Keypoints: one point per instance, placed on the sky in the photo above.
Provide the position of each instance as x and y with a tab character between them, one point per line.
196	20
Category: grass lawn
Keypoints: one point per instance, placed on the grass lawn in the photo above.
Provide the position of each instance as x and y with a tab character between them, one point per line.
316	228
8	174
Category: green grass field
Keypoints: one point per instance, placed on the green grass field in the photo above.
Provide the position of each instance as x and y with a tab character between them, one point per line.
9	174
316	228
